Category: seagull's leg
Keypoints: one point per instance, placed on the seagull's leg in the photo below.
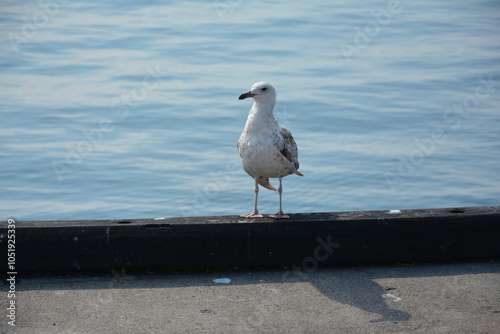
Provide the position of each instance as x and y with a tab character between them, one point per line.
255	213
280	213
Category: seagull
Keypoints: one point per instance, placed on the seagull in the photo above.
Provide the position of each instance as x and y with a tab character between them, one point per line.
266	148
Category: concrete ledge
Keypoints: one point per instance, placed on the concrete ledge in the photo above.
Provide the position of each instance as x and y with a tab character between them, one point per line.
306	240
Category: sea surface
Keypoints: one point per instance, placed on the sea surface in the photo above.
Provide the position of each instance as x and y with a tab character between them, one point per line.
129	109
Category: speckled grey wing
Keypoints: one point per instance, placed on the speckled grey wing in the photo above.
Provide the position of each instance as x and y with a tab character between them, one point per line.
289	149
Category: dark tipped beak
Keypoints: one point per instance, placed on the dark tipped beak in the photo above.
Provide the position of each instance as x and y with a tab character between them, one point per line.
246	95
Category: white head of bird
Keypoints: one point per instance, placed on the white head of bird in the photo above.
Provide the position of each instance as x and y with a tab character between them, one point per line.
262	92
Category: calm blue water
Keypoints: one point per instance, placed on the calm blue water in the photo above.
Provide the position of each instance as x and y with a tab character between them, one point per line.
130	110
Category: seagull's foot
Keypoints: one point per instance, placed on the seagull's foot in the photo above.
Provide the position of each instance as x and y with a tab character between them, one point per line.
252	215
279	215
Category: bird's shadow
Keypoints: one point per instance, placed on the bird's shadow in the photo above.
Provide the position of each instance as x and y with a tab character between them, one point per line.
358	288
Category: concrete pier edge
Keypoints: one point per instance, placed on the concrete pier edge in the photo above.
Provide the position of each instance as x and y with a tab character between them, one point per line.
307	240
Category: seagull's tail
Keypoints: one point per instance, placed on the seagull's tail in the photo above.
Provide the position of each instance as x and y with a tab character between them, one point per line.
264	181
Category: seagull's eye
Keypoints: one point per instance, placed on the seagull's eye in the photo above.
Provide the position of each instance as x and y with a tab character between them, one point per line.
264	89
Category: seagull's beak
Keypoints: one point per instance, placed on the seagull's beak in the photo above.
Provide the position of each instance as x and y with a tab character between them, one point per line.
246	95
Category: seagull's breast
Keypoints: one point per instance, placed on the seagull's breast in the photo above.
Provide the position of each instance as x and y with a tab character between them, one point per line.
260	153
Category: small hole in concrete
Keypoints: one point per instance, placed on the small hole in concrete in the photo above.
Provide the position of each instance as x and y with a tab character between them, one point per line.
125	222
457	211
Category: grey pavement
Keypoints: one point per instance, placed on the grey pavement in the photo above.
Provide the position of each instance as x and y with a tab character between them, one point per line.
423	298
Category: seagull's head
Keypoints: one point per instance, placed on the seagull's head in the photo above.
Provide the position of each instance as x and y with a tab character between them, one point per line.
262	92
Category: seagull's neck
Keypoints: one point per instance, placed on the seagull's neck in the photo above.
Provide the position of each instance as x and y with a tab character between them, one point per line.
261	117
